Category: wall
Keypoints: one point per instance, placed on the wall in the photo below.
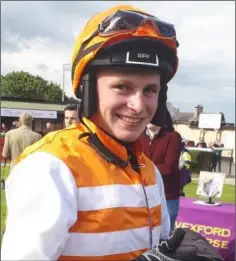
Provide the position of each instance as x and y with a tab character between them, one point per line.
37	125
210	136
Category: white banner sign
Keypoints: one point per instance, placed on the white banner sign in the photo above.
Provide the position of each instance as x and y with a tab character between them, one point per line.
209	121
229	140
6	112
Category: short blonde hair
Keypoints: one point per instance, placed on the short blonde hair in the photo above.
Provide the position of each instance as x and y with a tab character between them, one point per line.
25	119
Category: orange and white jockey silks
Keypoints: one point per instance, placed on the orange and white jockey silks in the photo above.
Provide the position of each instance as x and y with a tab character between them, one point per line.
119	210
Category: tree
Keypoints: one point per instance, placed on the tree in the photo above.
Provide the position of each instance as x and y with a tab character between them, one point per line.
72	100
25	86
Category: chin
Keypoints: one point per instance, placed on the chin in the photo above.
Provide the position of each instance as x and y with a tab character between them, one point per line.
128	137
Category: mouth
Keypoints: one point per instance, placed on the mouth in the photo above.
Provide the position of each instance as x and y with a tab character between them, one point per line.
134	121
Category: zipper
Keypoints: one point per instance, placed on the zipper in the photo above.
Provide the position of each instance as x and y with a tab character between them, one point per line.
146	199
149	216
150	146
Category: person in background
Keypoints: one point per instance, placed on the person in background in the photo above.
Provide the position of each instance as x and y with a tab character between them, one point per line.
71	114
209	145
213	159
49	126
218	153
185	168
163	146
4	128
186	141
201	143
14	125
18	139
190	143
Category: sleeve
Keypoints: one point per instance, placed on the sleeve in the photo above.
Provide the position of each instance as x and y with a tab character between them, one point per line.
6	153
165	229
187	160
39	137
181	162
41	207
173	150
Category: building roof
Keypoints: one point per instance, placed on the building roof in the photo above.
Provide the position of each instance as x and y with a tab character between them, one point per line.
185	117
32	106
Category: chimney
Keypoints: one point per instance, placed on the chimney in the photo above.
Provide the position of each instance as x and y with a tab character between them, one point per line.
197	110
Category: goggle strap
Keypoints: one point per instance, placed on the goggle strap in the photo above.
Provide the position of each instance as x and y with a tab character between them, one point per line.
82	52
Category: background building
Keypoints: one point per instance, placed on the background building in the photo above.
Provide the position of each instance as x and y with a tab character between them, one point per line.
186	123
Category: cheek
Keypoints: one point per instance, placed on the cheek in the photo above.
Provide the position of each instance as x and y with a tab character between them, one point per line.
111	103
152	104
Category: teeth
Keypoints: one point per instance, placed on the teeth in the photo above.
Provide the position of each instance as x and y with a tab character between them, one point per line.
128	119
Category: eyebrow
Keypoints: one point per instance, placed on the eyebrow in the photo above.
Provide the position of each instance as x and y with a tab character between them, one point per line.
127	82
122	82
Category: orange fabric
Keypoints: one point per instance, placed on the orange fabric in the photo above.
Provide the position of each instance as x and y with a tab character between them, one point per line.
101	220
78	156
66	145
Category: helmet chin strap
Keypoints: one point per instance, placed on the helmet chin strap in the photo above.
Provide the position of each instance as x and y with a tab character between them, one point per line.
89	106
97	144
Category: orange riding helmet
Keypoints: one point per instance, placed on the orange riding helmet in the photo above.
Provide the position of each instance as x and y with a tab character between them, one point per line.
122	36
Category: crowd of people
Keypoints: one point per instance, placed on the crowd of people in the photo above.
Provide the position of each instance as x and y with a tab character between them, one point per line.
107	188
5	129
214	146
21	135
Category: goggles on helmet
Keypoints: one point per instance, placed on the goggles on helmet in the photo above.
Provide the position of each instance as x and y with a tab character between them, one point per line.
123	21
128	21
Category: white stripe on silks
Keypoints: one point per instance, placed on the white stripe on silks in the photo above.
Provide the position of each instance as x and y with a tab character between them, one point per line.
110	243
153	195
115	196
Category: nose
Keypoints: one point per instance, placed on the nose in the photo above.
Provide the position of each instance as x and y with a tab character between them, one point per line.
136	102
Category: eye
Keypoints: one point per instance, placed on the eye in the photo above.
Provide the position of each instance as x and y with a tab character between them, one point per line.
122	88
151	90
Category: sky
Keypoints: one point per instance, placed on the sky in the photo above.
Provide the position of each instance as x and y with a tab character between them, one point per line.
39	36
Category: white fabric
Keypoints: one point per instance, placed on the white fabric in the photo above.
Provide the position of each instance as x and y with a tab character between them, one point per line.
119	196
165	227
42	205
42	200
181	161
92	244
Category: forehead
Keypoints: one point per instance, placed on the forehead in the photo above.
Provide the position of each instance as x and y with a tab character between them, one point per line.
70	113
134	74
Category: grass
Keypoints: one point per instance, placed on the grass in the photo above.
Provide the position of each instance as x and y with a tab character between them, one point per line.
4	174
228	194
3	212
190	192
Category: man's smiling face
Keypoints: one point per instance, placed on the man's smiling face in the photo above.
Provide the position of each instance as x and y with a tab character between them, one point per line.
127	101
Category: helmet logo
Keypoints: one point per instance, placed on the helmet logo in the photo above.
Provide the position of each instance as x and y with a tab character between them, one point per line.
143	56
148	59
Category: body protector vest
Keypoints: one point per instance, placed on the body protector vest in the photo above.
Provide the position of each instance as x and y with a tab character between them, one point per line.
119	209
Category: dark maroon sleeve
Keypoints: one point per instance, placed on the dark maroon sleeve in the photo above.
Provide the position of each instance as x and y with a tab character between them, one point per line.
144	140
173	150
